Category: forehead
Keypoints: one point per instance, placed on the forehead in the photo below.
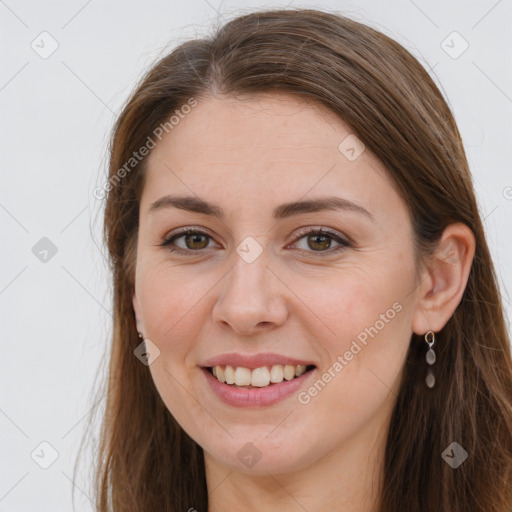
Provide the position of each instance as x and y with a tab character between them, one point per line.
278	124
273	147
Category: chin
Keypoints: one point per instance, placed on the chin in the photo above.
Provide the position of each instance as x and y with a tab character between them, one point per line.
259	455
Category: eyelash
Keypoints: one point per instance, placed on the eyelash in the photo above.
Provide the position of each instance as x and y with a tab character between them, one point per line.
344	243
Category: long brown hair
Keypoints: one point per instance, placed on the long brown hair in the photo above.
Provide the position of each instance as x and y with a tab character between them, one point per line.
146	462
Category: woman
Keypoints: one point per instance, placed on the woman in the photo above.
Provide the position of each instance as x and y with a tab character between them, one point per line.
306	315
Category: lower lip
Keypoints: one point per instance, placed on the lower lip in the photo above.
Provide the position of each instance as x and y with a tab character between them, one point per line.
255	397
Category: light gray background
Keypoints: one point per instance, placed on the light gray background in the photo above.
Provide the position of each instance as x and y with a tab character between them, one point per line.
56	115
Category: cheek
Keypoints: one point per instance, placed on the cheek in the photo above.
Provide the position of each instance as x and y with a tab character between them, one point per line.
358	380
358	306
368	318
170	300
172	310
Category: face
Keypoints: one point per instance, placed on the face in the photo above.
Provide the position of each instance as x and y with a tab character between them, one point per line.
318	296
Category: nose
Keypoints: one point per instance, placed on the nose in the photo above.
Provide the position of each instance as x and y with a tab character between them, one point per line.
251	298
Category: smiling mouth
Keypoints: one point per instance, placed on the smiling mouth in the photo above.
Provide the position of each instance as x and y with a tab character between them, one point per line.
265	376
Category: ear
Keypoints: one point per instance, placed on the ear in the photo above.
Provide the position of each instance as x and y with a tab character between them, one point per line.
140	326
444	280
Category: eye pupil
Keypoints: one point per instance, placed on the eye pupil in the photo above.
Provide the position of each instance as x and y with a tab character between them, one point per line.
196	238
314	239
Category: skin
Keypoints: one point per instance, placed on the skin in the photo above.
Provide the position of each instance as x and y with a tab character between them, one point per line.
249	155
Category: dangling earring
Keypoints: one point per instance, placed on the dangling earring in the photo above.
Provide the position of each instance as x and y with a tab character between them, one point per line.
430	357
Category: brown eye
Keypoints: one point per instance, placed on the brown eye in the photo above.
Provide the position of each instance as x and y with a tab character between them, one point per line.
319	242
190	240
196	241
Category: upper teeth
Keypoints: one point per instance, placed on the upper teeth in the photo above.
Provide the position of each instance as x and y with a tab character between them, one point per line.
259	377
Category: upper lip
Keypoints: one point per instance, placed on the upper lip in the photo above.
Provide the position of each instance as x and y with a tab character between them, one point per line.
254	360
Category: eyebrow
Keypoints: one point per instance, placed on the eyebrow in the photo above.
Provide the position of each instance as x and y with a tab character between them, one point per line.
197	205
